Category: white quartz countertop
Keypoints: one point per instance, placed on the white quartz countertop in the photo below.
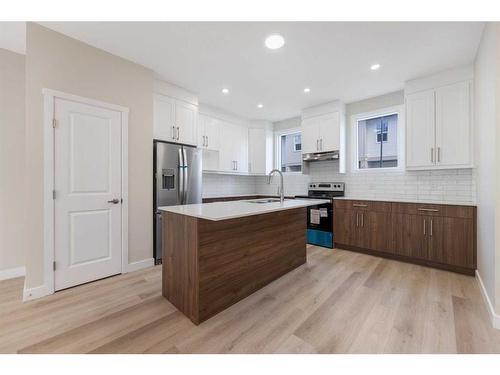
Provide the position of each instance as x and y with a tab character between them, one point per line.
234	209
420	201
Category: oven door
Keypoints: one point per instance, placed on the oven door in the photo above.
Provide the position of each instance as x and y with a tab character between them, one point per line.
320	225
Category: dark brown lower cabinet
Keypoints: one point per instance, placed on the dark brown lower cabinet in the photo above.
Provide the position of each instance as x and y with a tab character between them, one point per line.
441	236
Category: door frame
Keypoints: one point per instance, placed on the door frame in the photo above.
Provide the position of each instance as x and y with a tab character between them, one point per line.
49	97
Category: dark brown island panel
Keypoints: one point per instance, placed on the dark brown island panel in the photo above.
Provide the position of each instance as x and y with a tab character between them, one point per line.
435	235
210	265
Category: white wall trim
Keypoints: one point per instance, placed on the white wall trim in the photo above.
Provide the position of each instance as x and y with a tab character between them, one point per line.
12	273
139	265
49	96
37	292
494	317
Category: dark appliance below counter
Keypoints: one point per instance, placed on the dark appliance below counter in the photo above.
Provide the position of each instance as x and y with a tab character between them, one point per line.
320	217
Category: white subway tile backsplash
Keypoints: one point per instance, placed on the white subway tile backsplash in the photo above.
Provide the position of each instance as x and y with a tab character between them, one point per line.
455	185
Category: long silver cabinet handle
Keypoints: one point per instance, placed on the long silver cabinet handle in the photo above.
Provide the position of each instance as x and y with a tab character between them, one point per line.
317	144
432	154
439	155
431	228
363	220
359	205
173	132
428	209
178	133
424	227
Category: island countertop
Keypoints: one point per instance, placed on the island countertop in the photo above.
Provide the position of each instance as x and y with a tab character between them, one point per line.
234	209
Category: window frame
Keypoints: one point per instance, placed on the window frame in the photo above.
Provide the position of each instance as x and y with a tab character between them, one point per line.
387	111
295	143
277	149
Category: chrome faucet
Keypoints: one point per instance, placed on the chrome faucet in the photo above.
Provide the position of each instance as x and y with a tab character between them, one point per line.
281	188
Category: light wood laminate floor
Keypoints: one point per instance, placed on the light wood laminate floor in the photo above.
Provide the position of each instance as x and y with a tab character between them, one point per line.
339	302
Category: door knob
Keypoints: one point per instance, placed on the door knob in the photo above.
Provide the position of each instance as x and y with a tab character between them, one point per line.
114	201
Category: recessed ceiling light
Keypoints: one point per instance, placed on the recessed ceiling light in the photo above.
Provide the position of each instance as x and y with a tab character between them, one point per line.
307	90
375	67
225	91
260	105
275	41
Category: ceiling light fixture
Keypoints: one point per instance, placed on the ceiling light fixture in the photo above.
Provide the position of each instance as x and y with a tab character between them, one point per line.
225	91
275	41
307	90
375	67
260	105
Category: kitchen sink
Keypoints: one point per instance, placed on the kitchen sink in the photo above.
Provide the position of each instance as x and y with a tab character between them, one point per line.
264	200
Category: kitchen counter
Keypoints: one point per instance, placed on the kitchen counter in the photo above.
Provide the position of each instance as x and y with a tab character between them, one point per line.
420	201
215	254
217	211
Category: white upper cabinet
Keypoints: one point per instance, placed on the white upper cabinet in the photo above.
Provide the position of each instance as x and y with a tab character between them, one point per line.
164	113
186	122
453	125
260	150
208	132
323	128
329	132
439	120
310	135
233	153
439	128
174	120
420	126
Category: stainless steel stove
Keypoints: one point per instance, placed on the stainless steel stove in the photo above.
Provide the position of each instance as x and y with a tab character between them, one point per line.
320	217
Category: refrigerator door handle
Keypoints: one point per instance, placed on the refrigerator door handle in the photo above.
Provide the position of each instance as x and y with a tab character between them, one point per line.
185	172
180	190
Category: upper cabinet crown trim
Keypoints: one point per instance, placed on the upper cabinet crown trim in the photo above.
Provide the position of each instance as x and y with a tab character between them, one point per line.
168	89
323	109
448	77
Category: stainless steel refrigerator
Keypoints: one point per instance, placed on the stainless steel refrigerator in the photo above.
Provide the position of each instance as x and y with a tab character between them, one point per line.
177	181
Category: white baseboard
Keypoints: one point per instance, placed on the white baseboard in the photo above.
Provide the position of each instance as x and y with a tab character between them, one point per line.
36	292
494	317
139	265
12	273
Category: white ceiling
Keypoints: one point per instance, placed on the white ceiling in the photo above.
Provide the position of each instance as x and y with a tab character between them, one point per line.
13	36
332	58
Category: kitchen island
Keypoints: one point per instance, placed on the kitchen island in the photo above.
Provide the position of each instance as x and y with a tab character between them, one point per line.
215	254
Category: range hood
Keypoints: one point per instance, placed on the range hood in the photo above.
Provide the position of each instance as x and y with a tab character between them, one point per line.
320	156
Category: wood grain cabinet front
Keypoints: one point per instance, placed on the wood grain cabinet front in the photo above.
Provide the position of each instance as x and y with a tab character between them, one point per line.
442	236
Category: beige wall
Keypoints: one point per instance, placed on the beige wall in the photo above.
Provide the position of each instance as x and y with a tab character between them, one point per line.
372	104
485	100
12	226
61	63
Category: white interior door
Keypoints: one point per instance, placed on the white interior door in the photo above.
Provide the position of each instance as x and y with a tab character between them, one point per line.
87	165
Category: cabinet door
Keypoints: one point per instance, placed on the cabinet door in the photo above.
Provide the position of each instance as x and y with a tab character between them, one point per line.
226	147
163	118
212	134
420	125
329	132
310	135
452	242
377	228
436	251
345	230
202	125
410	235
257	157
240	148
453	130
185	121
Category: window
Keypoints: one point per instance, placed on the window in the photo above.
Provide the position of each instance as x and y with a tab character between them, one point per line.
382	134
289	152
297	143
377	141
